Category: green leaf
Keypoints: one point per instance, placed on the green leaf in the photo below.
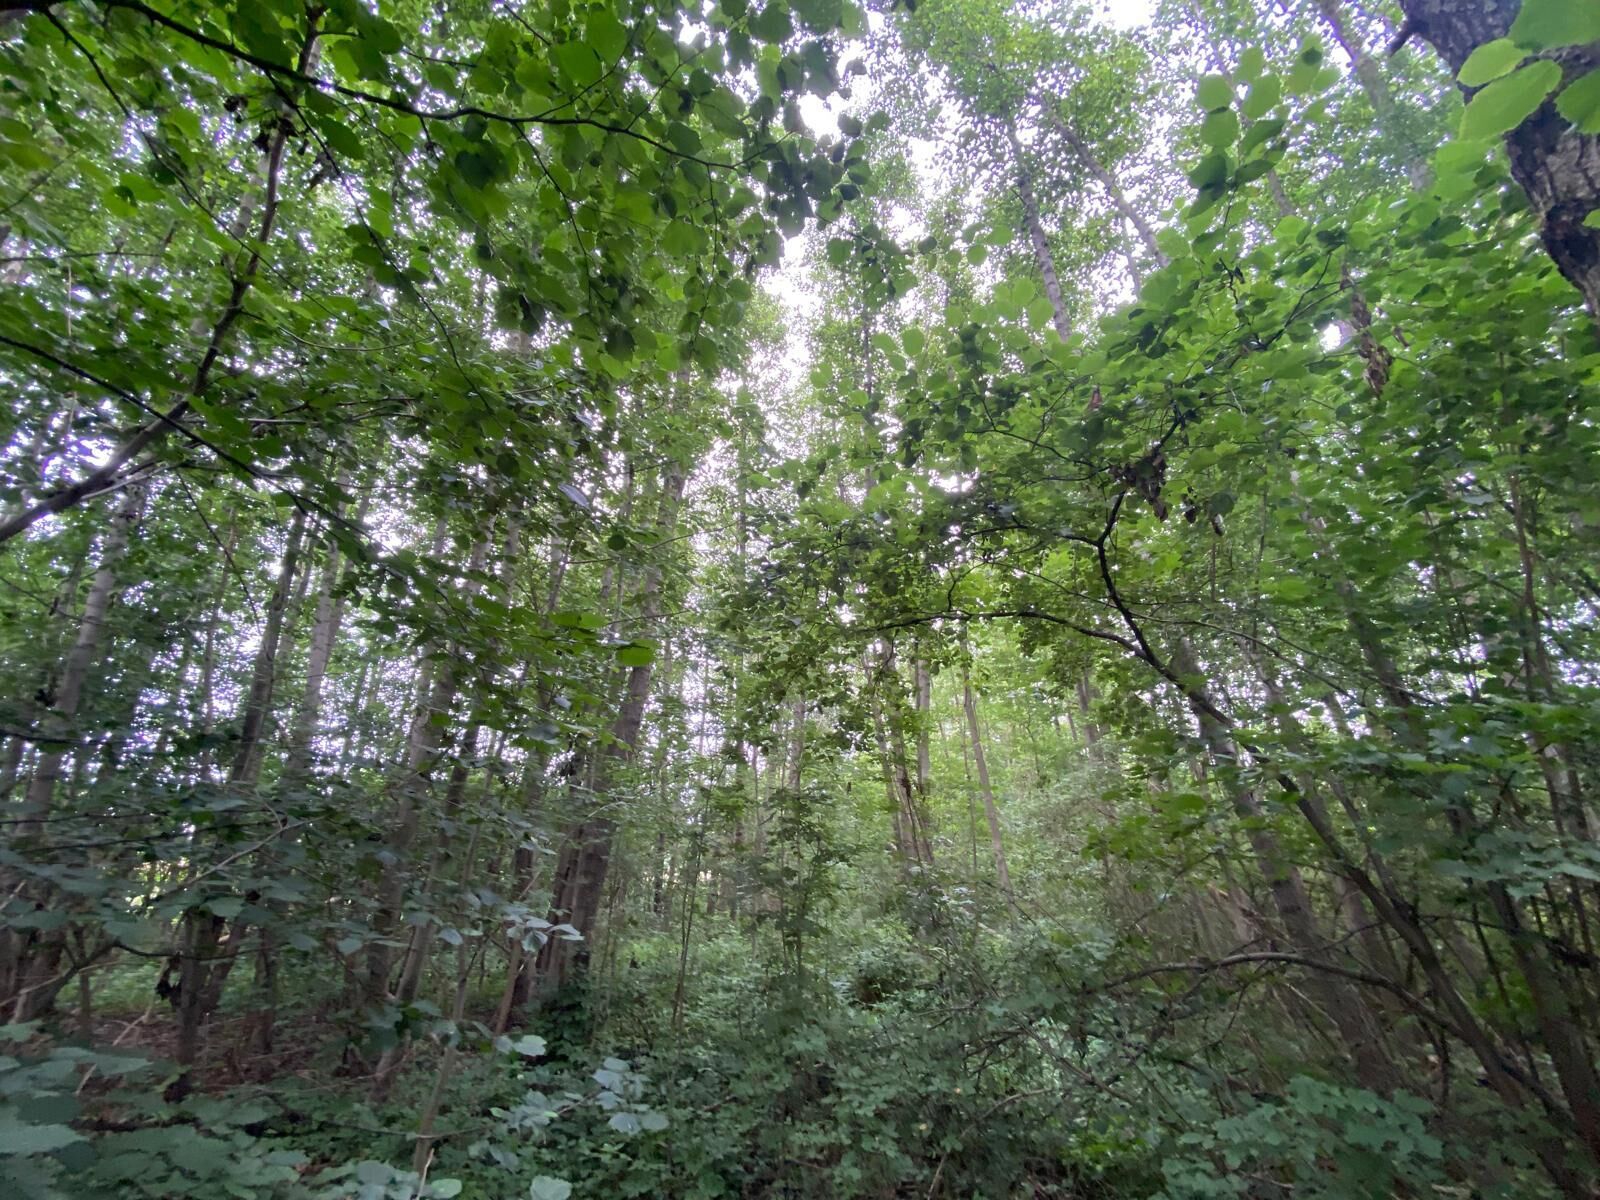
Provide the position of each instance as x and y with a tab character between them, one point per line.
445	1189
226	907
624	1122
1263	98
480	165
684	139
771	24
1490	61
529	1045
1210	172
1214	92
1547	24
636	654
1580	102
19	1139
547	1187
913	340
607	35
1509	101
578	62
374	1173
1220	129
1260	133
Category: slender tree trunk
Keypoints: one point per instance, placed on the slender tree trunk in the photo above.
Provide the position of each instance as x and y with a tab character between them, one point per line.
1119	199
324	637
585	857
29	961
1338	1000
969	703
247	757
1033	226
1370	76
437	694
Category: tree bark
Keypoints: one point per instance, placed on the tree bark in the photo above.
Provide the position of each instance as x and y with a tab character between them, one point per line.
1341	1003
1043	258
980	762
585	857
1370	76
1119	198
263	675
1556	164
29	979
325	624
436	693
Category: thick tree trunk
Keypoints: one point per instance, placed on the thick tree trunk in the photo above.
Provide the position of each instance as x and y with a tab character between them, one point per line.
1556	164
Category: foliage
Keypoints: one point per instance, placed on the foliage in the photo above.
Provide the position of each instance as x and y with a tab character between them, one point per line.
794	599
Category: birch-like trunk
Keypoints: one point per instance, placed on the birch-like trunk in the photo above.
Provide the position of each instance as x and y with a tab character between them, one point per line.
980	764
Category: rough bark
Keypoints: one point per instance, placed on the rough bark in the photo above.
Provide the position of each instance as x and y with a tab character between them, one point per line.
1556	164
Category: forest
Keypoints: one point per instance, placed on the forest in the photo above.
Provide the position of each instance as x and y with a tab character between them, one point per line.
799	599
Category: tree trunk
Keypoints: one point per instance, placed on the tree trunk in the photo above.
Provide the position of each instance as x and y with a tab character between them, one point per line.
1339	1001
585	857
263	676
1556	164
324	635
1119	199
1370	76
1043	258
29	979
436	694
980	762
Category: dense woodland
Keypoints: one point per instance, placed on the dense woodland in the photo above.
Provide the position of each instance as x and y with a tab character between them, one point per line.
944	598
